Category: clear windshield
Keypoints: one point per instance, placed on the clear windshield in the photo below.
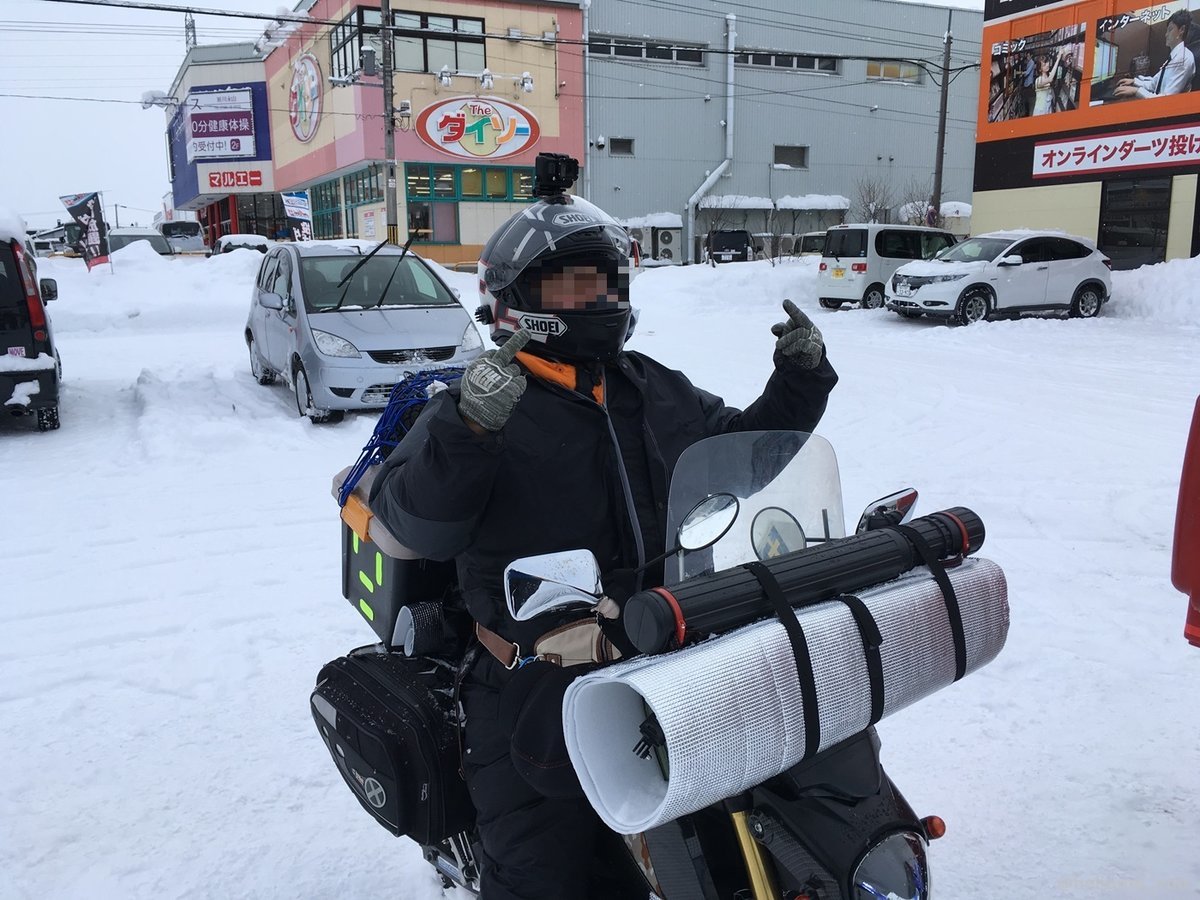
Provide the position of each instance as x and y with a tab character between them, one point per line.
789	496
975	250
179	229
384	280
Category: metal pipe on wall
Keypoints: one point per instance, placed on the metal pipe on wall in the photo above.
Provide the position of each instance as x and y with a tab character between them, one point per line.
689	220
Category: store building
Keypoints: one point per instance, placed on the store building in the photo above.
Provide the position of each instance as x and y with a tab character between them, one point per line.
480	89
1106	144
785	117
219	142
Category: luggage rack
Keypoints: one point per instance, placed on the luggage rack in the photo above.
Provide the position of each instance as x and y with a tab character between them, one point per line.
409	395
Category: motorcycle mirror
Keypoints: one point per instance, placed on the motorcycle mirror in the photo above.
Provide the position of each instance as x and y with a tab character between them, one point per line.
775	532
894	509
708	521
535	585
1185	558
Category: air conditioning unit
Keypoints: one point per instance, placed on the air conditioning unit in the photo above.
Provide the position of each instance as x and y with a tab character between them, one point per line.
639	235
787	245
666	243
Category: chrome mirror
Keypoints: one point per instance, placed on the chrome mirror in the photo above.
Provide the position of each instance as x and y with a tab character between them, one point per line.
708	521
535	585
894	509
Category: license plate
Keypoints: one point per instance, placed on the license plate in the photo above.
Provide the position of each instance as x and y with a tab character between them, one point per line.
839	273
727	256
903	290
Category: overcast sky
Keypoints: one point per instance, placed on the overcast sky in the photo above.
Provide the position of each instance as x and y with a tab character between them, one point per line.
108	142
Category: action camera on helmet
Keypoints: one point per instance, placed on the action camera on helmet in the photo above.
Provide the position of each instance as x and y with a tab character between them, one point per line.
553	174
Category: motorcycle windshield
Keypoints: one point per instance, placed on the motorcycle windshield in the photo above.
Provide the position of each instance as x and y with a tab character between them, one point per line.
789	497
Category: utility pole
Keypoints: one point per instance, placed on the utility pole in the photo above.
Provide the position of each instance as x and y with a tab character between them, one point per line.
189	31
936	201
389	122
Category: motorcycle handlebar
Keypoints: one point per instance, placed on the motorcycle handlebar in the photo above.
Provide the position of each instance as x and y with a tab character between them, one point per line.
722	601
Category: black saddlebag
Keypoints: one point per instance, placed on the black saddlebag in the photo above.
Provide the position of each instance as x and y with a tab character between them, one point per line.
389	722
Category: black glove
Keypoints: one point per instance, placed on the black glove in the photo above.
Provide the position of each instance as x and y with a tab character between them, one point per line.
492	385
799	338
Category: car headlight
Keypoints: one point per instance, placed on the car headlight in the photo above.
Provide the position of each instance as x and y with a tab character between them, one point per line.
895	868
937	279
470	339
332	345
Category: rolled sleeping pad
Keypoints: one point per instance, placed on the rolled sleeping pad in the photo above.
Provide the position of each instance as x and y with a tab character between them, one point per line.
658	619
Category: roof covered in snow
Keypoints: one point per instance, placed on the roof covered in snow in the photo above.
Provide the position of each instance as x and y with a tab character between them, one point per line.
813	201
736	201
654	220
12	226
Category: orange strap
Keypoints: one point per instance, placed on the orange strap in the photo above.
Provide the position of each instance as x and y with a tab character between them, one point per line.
557	373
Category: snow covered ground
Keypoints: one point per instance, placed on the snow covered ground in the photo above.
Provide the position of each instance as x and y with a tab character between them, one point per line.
171	587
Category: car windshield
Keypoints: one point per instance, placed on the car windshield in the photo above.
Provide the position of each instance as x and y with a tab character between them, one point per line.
846	242
412	284
730	240
975	250
180	229
157	241
812	243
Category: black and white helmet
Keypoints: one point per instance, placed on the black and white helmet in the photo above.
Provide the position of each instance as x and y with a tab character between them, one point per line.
547	237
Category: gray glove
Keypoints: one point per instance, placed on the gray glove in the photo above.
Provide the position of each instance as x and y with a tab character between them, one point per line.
799	338
492	385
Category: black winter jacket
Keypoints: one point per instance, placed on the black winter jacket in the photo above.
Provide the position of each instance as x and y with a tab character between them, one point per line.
554	479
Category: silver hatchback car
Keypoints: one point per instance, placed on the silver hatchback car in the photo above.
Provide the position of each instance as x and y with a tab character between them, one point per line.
342	326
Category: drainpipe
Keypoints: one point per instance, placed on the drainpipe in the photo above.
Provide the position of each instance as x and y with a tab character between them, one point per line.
689	220
586	5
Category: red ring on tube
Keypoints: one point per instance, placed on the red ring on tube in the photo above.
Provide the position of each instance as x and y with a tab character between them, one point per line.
966	538
680	625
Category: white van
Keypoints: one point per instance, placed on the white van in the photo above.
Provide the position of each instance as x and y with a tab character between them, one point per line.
858	260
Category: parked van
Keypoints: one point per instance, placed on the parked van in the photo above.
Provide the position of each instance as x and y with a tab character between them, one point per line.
811	243
858	260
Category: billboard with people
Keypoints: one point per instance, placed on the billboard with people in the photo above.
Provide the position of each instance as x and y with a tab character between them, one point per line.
1054	67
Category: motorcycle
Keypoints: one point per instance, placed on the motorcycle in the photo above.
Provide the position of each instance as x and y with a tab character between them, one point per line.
832	826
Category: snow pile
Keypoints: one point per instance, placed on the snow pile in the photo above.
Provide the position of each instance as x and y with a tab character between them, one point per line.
736	201
12	226
1166	292
10	362
654	220
813	201
956	209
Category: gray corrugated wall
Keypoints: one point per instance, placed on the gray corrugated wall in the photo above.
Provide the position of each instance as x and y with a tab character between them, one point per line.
678	135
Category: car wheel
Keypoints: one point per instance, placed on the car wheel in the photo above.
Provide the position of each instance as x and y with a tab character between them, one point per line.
304	401
47	418
826	303
974	307
873	298
261	373
1086	303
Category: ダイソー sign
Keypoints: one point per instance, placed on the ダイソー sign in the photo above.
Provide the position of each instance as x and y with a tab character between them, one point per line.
477	128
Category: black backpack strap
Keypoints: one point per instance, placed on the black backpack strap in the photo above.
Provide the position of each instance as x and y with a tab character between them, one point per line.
872	640
804	669
951	599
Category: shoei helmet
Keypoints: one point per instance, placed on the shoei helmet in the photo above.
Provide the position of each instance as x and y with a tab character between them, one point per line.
549	237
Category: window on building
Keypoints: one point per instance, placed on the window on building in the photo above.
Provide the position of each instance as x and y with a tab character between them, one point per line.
772	59
363	186
326	210
262	214
654	51
796	157
434	192
1134	215
346	39
428	43
894	70
620	146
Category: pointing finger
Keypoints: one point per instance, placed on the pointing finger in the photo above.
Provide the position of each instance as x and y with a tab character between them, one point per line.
793	312
512	347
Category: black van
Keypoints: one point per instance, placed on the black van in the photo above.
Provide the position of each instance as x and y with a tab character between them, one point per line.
30	369
730	245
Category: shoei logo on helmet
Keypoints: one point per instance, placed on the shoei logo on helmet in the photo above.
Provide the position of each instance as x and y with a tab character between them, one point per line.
541	327
573	218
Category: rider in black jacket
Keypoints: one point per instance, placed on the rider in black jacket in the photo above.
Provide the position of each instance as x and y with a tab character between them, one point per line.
567	444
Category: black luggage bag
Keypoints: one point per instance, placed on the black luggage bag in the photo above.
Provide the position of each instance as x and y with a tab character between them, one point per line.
390	723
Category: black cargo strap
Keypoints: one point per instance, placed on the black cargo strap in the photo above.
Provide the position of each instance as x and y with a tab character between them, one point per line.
951	599
804	669
872	640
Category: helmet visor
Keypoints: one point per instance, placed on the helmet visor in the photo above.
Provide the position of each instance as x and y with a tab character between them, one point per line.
539	231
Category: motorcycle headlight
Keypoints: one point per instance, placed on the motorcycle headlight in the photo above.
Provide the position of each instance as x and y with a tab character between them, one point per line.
470	339
940	278
332	345
895	868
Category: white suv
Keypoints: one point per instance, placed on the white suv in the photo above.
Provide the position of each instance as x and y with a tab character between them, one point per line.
1004	273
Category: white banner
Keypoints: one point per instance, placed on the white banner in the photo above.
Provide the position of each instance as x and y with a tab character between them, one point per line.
1174	146
220	124
296	205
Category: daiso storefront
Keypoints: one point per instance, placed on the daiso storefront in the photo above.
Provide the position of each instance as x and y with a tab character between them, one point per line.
479	90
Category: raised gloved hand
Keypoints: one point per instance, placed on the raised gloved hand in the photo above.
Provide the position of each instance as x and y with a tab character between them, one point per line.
492	385
799	338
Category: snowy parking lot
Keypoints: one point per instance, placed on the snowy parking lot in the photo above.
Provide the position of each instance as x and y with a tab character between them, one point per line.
172	585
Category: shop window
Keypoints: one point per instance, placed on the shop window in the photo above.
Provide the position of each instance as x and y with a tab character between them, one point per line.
893	70
620	147
417	179
769	59
457	42
420	222
471	181
433	223
1134	214
497	184
443	181
794	157
326	210
346	39
522	183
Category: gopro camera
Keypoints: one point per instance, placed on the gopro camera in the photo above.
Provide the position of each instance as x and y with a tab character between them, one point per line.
553	174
